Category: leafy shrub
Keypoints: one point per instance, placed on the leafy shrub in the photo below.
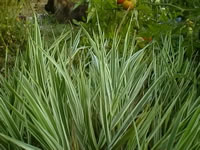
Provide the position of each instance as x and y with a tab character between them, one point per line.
151	19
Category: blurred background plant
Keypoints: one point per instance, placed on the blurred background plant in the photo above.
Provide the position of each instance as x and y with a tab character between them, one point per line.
177	17
12	30
152	19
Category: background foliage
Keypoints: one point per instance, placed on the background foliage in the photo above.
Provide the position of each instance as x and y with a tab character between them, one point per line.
12	31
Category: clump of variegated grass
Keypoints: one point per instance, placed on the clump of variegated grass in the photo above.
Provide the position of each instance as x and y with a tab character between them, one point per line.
146	99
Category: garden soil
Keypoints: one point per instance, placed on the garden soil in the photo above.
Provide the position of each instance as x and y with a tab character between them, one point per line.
34	6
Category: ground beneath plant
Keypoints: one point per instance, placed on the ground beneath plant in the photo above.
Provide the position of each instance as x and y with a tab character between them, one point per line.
36	6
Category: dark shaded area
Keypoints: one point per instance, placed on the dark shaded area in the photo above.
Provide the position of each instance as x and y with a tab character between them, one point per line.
64	10
49	7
